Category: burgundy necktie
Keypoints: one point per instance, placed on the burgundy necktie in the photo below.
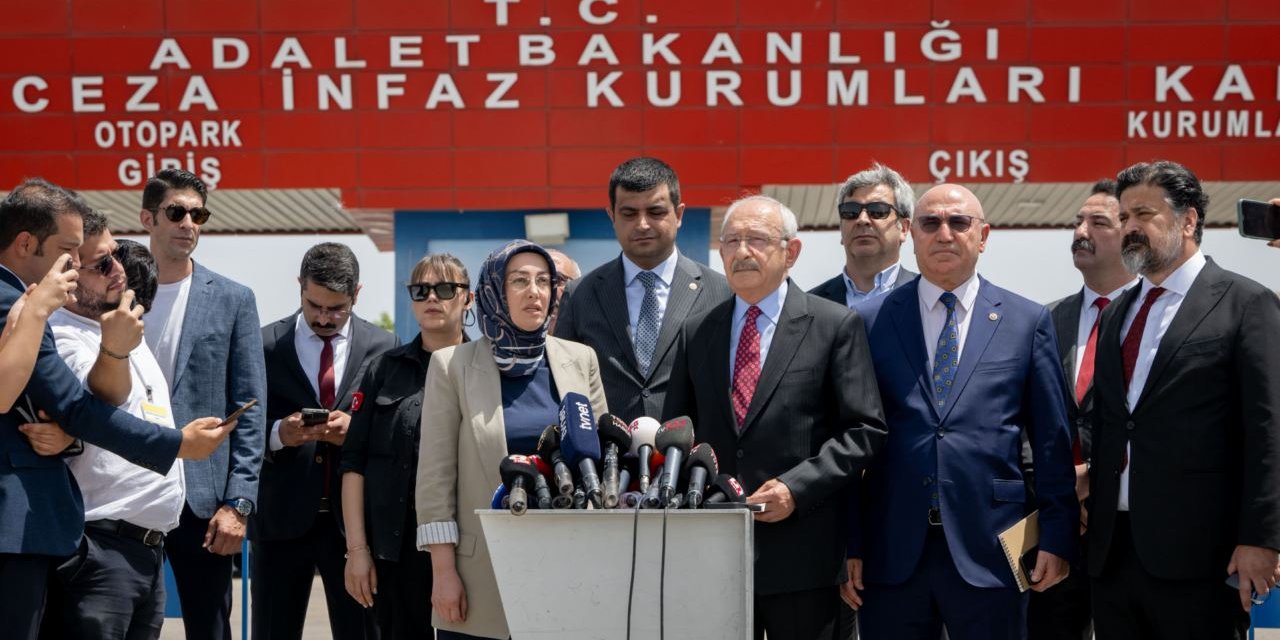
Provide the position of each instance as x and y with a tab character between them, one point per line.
1130	347
746	366
327	400
1085	378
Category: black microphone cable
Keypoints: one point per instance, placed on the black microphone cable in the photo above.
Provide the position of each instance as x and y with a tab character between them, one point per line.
662	578
631	589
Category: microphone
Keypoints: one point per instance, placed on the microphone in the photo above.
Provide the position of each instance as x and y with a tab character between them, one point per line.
615	437
626	471
725	490
518	474
549	450
650	498
580	444
643	431
579	498
630	499
541	491
674	439
700	465
499	500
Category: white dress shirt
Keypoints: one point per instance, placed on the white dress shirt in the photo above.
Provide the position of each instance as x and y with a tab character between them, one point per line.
884	283
666	272
1088	315
933	314
766	323
114	488
1158	320
309	345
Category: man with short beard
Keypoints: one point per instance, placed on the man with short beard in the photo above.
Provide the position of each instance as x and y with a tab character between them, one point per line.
1185	480
114	586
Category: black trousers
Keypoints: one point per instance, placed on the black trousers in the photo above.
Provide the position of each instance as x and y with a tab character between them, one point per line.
800	615
113	587
1062	612
1131	604
282	572
203	579
25	579
402	607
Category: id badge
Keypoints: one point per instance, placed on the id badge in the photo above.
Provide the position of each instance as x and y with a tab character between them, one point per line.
155	413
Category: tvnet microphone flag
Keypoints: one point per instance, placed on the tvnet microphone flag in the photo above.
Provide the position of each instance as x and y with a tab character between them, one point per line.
518	473
580	444
615	438
674	439
700	466
725	490
549	450
643	430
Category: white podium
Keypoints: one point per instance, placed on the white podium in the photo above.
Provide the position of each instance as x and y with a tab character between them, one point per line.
566	574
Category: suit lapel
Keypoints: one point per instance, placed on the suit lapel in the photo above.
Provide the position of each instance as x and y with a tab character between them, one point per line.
720	321
199	307
1204	295
612	293
984	319
289	355
903	308
1066	322
793	323
482	388
1108	356
355	356
686	286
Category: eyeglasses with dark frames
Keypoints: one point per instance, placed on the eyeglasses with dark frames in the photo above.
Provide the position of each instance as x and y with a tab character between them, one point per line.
957	222
875	210
103	265
176	212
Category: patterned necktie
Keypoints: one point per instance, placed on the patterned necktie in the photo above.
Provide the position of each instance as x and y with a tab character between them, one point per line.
1084	379
746	366
327	393
1133	340
646	339
948	353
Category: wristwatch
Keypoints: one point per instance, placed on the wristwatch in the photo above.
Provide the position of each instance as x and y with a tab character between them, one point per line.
242	506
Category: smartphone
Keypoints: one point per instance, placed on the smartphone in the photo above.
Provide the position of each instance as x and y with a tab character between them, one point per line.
1233	581
235	415
1260	220
314	417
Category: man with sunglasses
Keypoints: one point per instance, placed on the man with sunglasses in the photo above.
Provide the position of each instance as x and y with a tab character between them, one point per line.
315	359
875	218
965	370
203	329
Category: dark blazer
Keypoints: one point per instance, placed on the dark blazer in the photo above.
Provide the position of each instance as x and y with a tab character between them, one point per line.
814	423
1009	382
41	511
594	312
293	477
1066	320
1204	433
835	289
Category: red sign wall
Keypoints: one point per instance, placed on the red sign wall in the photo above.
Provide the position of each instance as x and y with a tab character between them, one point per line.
524	103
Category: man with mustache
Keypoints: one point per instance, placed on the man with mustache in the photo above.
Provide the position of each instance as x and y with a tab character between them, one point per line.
630	309
1185	480
779	383
315	359
1062	612
875	220
966	371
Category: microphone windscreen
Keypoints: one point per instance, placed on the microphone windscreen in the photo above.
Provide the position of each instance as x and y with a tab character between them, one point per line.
677	433
578	438
702	456
517	466
549	442
727	486
613	429
642	431
541	464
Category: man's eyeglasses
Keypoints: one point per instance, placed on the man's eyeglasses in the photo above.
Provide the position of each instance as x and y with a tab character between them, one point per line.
419	291
875	210
756	243
958	223
104	265
176	212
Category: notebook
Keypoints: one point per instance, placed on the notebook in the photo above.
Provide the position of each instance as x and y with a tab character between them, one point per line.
1018	542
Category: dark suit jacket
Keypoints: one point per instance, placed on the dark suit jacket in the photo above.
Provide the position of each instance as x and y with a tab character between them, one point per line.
594	312
1009	382
836	291
814	423
1066	320
1204	434
41	511
293	478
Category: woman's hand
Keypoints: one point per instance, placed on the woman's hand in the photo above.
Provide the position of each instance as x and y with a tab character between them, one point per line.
448	596
361	577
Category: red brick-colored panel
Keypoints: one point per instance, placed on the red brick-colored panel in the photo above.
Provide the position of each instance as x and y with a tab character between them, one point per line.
1098	83
711	196
296	16
910	161
406	129
780	165
587	167
884	86
480	89
800	126
988	163
1246	161
572	46
1249	42
892	126
476	15
991	81
1087	12
425	199
1176	43
319	51
700	166
36	133
119	54
118	16
401	14
581	197
34	56
230	91
25	17
504	198
314	130
1078	123
786	14
595	127
405	169
692	127
500	168
227	17
980	125
1164	11
174	130
987	12
889	13
1200	82
59	168
809	87
495	50
506	128
568	88
1253	10
310	169
1077	45
1204	161
675	14
401	91
755	45
57	92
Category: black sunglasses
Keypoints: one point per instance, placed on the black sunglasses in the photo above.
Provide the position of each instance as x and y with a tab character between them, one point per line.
958	223
875	210
443	290
104	265
176	212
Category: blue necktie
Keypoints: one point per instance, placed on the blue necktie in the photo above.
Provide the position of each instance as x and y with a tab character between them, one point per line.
948	354
646	338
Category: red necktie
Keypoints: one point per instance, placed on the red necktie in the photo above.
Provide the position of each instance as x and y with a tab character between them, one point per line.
327	399
1129	348
1085	378
746	366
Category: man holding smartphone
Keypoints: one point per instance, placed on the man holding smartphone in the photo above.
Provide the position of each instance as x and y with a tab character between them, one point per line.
314	358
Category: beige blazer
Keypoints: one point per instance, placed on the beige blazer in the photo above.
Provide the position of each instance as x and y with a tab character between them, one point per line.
463	440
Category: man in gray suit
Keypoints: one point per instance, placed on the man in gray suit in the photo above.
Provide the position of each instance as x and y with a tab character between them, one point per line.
875	220
630	309
203	329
